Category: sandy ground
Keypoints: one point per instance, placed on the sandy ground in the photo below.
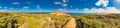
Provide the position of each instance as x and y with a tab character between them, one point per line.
70	24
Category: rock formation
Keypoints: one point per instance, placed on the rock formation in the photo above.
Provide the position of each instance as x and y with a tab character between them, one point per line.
60	13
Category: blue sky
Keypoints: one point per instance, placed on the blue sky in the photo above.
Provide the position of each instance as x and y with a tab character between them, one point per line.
53	5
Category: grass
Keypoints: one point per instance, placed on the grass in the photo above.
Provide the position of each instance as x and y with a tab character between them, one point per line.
15	20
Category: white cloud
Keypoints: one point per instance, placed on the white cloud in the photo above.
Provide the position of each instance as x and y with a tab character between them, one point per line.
28	2
60	9
102	10
65	0
64	5
102	2
15	3
77	9
60	3
118	1
25	7
57	3
86	10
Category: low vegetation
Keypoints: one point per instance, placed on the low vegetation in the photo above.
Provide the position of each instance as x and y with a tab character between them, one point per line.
18	20
98	21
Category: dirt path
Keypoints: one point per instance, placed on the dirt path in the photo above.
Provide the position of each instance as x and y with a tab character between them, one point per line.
24	25
70	24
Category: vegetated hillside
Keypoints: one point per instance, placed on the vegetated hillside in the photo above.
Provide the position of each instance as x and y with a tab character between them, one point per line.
98	21
16	20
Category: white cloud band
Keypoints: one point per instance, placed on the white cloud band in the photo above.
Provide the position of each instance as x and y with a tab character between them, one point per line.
102	10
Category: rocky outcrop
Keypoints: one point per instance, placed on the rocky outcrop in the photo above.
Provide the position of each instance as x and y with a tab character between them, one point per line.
60	13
